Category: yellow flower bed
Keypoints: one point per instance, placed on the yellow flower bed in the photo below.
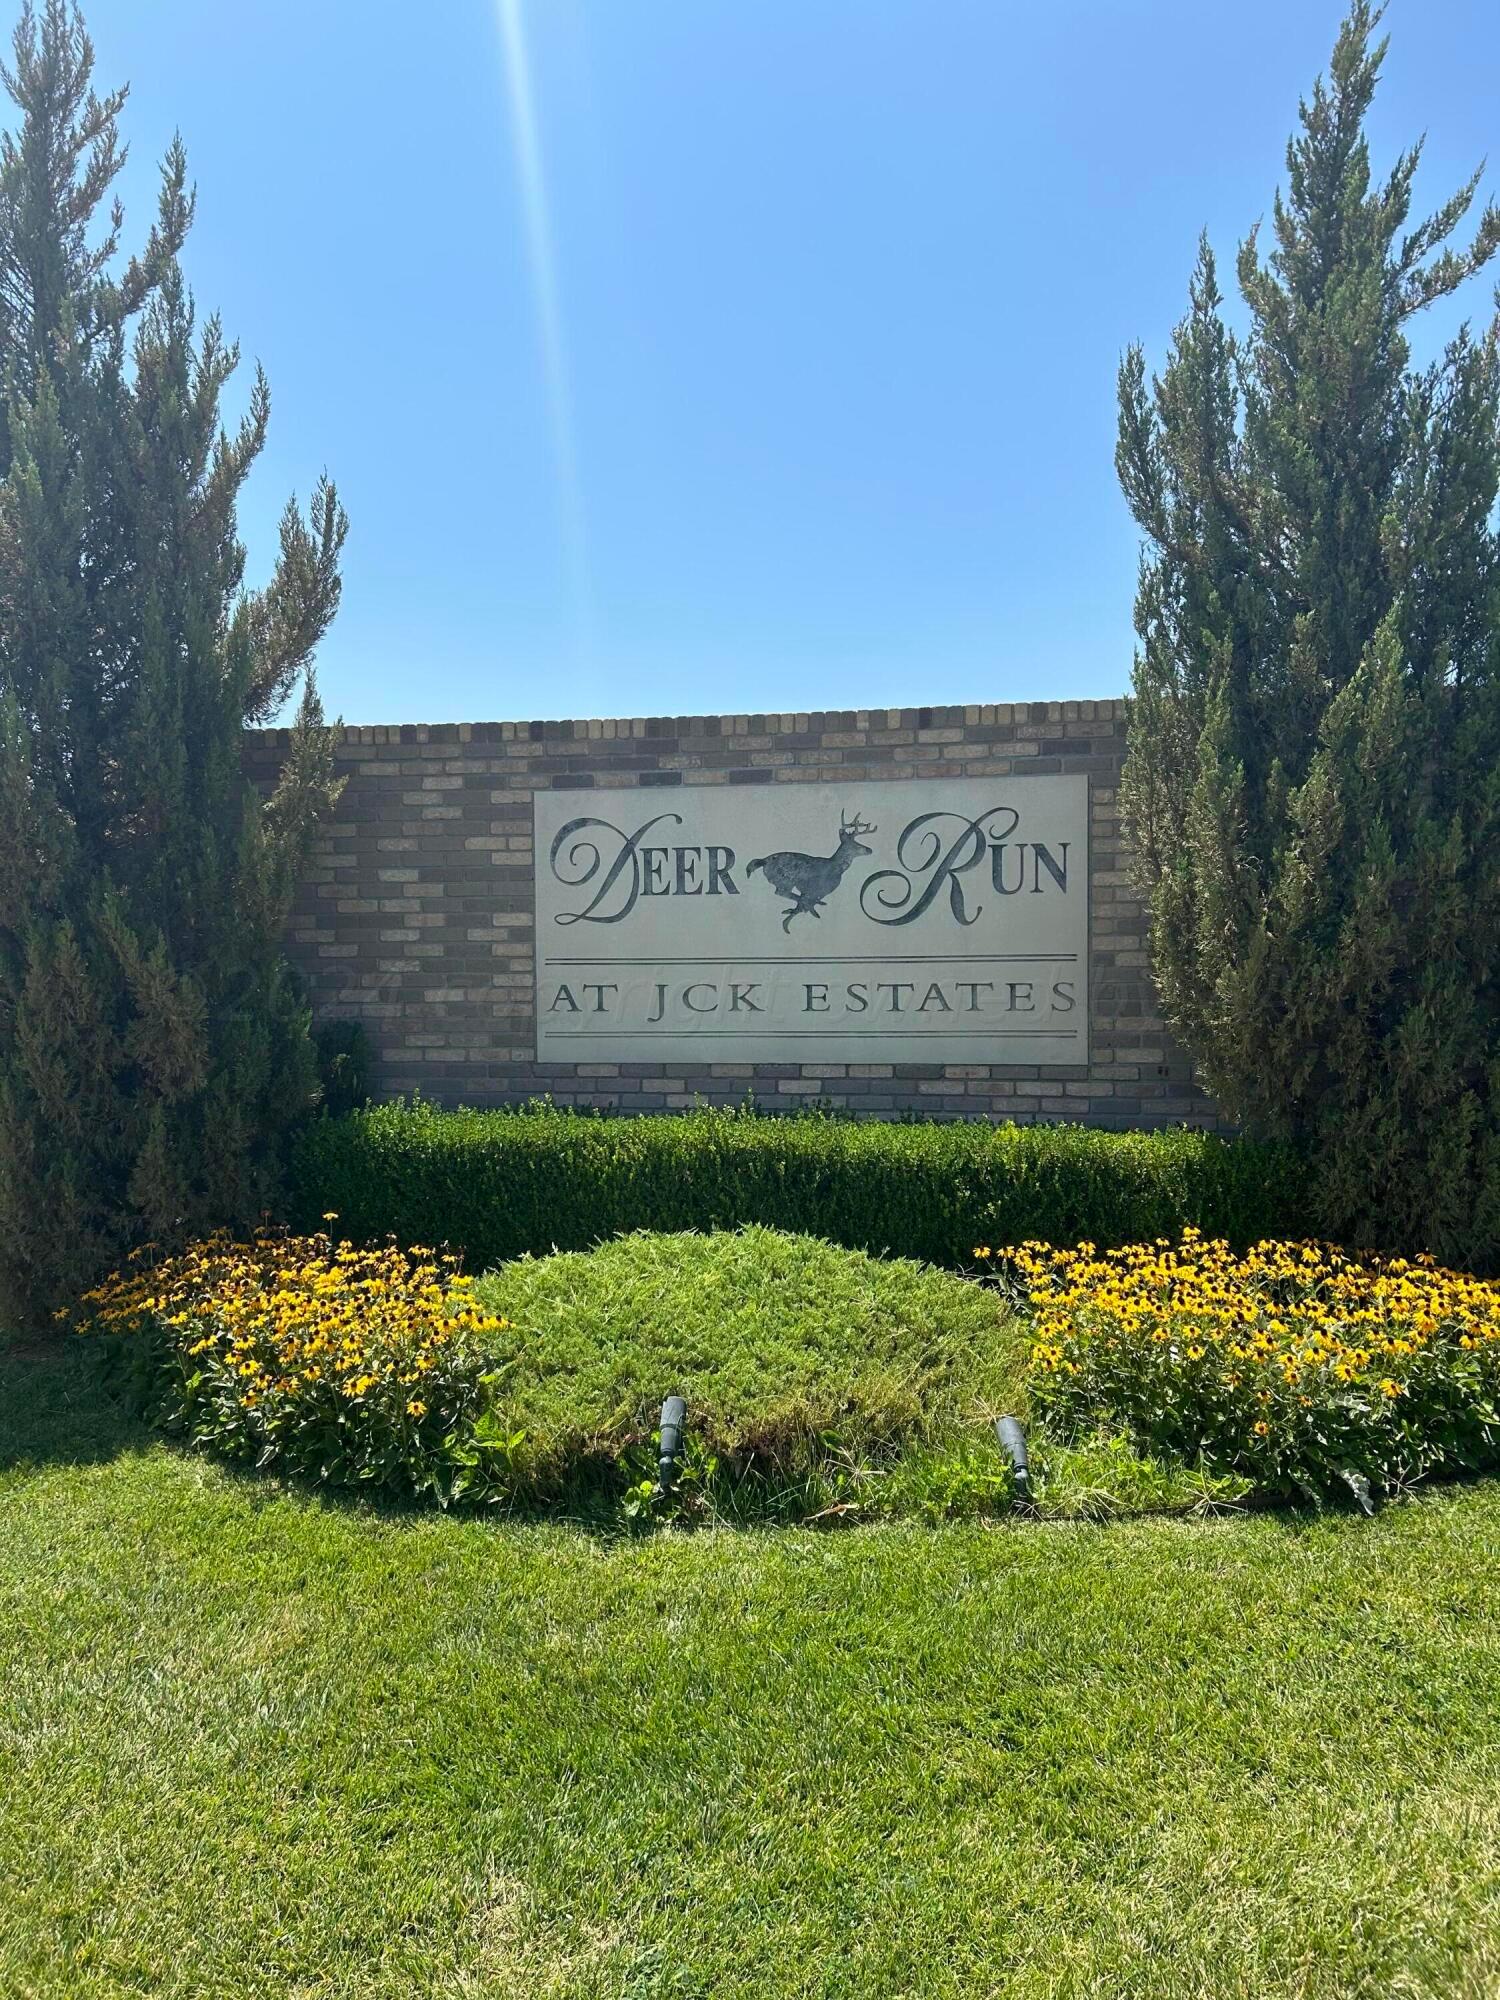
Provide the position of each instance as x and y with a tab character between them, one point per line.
1295	1362
346	1363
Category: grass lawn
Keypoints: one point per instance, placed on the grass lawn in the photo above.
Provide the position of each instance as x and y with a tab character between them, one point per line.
257	1744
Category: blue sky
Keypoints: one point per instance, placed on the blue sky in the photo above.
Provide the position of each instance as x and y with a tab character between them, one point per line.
685	355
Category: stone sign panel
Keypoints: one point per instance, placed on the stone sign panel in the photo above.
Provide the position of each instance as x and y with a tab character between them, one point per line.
920	920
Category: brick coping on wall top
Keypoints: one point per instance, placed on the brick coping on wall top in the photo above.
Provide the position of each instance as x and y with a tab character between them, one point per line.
612	729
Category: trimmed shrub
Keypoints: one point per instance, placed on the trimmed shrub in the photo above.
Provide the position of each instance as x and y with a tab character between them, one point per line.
344	1059
772	1338
501	1184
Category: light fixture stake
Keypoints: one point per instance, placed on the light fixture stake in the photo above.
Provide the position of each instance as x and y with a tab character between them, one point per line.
673	1420
1013	1443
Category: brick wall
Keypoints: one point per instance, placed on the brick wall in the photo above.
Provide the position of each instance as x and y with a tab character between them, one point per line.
417	918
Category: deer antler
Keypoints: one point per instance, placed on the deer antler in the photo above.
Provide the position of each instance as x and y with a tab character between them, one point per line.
857	825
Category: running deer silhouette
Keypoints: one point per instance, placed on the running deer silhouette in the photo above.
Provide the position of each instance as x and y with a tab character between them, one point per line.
810	879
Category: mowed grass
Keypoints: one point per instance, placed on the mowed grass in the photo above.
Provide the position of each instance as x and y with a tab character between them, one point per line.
257	1744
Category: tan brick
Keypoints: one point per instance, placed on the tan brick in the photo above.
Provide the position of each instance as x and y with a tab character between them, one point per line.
424	816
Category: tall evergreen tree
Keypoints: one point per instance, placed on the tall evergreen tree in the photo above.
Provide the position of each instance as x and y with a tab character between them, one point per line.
1314	773
152	1045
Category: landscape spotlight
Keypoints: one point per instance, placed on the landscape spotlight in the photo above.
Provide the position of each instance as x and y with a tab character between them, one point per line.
1013	1444
673	1418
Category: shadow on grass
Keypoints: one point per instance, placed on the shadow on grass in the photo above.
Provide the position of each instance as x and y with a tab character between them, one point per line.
56	1410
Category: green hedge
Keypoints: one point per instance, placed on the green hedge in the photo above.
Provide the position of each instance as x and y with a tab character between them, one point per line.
497	1184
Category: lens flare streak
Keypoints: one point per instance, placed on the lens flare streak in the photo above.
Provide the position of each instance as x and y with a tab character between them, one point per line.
541	257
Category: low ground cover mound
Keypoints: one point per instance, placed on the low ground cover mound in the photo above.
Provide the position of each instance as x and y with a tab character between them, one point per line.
774	1339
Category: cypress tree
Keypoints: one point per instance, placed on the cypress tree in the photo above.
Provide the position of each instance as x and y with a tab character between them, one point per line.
153	1048
1313	781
